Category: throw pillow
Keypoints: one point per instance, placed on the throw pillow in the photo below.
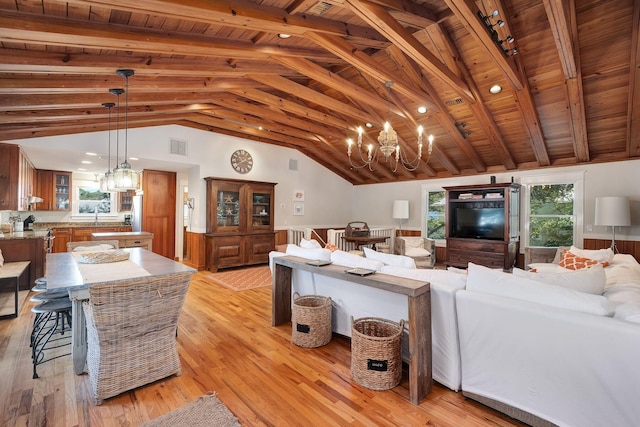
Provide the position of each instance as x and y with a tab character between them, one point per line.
601	255
331	247
310	244
494	282
574	262
319	254
390	259
590	280
354	261
413	242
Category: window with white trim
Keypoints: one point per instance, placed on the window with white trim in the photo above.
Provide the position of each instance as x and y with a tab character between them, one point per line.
89	200
434	218
553	210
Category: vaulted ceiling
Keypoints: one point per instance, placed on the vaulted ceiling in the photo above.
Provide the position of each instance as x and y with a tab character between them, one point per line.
570	76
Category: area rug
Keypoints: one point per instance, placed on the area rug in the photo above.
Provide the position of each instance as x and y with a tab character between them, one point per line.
243	279
206	411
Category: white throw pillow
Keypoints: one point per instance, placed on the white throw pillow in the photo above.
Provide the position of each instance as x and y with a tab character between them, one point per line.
310	244
354	261
317	253
413	242
546	267
590	280
600	255
494	282
390	259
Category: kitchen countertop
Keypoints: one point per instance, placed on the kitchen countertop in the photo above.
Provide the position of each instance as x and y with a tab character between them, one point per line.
33	234
46	225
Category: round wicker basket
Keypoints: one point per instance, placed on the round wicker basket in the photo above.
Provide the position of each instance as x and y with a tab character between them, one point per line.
311	320
376	352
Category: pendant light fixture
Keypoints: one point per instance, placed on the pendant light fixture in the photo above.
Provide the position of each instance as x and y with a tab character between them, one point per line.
104	181
110	181
125	178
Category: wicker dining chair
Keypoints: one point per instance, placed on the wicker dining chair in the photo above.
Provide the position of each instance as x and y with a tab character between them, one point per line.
131	332
73	245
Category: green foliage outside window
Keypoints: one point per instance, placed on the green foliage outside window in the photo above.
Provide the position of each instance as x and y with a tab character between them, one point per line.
435	214
551	215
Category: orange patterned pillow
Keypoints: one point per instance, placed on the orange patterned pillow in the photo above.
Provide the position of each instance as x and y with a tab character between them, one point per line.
331	247
574	262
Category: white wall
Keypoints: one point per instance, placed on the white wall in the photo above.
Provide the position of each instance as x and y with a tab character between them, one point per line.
373	203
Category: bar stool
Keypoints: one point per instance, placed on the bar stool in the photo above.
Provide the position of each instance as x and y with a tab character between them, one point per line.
51	317
39	298
40	285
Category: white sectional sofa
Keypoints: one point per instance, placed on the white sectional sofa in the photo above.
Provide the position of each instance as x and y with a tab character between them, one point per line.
355	300
540	352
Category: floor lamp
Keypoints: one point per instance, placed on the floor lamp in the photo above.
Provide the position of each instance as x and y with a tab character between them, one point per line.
613	211
400	211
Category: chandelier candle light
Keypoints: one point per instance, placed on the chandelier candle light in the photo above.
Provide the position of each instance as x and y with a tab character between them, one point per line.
388	144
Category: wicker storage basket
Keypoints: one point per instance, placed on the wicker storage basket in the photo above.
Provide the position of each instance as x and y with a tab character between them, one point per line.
311	320
376	352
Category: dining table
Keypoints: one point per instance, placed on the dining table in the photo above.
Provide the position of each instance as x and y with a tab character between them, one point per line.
64	272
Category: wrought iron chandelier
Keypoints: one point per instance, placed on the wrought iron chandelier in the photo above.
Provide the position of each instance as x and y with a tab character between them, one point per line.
389	146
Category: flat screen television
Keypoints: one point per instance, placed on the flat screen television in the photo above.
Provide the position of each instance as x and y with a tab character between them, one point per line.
479	223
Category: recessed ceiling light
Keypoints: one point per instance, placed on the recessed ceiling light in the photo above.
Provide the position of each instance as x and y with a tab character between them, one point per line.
422	109
85	162
495	89
284	35
260	128
90	154
369	125
133	158
81	169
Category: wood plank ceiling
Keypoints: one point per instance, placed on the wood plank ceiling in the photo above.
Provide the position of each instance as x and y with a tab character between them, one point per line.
570	95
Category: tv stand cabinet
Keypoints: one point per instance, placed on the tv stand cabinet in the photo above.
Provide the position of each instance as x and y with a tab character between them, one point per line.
496	246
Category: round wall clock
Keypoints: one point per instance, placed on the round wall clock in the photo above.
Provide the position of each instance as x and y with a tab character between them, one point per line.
241	161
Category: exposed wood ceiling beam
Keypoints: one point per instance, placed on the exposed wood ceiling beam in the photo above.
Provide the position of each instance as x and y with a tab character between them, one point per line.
562	18
24	28
443	42
242	14
633	121
466	12
360	60
29	62
380	19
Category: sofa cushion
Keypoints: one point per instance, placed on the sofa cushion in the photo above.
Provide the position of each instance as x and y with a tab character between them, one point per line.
574	262
309	244
590	280
390	259
443	277
600	255
354	261
317	253
494	282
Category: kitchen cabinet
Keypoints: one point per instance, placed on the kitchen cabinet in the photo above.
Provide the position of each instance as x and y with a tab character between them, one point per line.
54	187
17	178
64	235
61	236
138	239
126	201
239	222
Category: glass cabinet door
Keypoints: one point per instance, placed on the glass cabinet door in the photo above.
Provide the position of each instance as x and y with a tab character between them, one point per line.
228	209
261	210
62	186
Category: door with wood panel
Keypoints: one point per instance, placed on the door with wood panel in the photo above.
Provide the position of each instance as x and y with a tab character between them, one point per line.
159	210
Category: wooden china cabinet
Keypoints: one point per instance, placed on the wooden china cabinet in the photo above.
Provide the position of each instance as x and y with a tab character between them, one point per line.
239	222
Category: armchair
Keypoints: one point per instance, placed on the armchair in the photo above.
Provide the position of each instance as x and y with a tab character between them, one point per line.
421	249
131	332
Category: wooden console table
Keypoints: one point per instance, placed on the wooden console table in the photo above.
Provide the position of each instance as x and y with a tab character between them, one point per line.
361	241
419	308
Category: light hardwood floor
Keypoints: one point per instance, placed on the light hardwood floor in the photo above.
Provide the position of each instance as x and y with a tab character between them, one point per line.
227	345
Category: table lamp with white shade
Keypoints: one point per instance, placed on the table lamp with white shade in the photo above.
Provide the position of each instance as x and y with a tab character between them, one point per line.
612	211
400	211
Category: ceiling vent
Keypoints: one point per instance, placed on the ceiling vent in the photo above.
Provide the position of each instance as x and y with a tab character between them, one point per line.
319	8
456	101
293	165
178	146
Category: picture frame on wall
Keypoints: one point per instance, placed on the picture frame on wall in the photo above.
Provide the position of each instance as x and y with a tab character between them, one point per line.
298	209
298	195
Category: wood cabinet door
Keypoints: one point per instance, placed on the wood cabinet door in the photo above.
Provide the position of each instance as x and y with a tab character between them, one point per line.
62	236
44	189
159	210
259	246
225	251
